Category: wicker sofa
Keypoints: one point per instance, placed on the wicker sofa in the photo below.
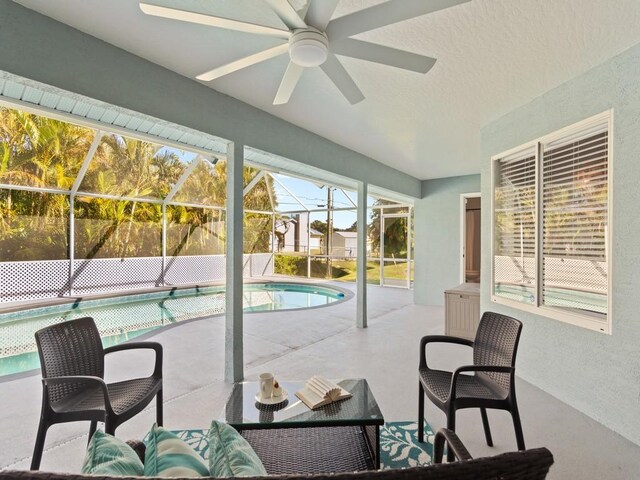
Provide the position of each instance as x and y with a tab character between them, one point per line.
531	464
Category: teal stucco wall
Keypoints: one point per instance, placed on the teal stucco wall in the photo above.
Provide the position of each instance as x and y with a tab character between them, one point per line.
596	373
437	231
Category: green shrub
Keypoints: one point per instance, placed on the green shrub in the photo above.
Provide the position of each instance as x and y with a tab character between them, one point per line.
290	265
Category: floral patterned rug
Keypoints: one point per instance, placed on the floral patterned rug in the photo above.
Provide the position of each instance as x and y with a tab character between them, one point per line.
399	447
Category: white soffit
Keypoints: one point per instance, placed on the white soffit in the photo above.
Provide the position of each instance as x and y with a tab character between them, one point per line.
21	92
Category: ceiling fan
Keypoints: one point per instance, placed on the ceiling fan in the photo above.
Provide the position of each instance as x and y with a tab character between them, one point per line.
314	40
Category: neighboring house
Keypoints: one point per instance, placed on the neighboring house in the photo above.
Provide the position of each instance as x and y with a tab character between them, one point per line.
291	235
344	244
316	241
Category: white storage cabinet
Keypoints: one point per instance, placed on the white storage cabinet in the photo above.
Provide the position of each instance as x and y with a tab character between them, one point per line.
462	310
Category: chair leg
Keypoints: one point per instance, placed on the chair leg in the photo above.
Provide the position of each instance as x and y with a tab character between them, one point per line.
39	447
159	411
451	425
517	427
109	426
420	412
92	430
485	424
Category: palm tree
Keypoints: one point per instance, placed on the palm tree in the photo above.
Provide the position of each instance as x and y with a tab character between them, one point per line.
37	151
40	152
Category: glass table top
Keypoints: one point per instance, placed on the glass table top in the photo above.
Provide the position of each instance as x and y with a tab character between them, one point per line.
243	411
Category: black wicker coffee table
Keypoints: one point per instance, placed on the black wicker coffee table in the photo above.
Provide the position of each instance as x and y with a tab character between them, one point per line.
290	438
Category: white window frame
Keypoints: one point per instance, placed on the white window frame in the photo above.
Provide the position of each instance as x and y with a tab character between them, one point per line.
591	321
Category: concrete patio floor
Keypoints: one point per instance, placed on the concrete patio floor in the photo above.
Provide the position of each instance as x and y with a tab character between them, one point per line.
296	344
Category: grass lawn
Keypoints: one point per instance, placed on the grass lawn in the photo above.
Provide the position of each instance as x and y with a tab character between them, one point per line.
345	271
342	270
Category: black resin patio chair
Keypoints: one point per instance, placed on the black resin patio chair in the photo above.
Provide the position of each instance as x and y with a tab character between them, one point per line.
522	465
73	386
488	383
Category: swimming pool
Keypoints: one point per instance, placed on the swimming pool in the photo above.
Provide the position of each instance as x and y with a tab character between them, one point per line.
125	317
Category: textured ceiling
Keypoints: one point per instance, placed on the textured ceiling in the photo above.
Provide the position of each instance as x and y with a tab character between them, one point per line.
493	56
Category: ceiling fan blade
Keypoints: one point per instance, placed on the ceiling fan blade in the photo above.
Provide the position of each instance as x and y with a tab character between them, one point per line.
384	55
288	84
213	21
384	14
320	12
302	11
244	62
287	14
338	75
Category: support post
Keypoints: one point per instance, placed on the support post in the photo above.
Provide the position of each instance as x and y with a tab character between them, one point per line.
72	242
273	234
72	202
409	242
164	244
308	245
234	358
329	230
361	269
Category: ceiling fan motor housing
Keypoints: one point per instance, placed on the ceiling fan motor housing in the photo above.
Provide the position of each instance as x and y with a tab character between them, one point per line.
308	47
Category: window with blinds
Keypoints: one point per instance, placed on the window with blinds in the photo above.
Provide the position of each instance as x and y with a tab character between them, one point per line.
515	226
575	213
550	222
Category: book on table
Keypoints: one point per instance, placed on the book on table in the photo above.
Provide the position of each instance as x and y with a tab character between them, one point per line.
319	391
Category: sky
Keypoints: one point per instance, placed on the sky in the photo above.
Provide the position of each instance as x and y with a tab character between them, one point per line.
314	196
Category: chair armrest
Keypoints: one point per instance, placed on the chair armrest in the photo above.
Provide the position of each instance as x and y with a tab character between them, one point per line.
439	339
454	443
475	368
85	379
157	371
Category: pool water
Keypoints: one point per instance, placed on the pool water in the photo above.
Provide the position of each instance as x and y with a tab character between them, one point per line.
122	318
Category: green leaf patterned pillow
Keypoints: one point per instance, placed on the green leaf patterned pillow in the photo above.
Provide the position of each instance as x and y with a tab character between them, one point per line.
110	456
230	455
168	455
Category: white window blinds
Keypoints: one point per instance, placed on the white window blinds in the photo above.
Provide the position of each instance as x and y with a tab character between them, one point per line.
551	225
575	212
515	226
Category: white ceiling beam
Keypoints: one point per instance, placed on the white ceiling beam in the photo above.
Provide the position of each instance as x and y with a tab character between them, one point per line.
289	192
87	160
254	181
26	188
273	204
348	198
192	166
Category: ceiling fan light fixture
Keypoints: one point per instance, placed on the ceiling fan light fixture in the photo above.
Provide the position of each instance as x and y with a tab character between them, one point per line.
308	47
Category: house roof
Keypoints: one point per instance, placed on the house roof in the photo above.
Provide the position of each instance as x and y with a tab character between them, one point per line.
346	234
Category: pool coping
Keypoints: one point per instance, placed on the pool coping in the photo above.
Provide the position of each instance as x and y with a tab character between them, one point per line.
11	307
14	307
